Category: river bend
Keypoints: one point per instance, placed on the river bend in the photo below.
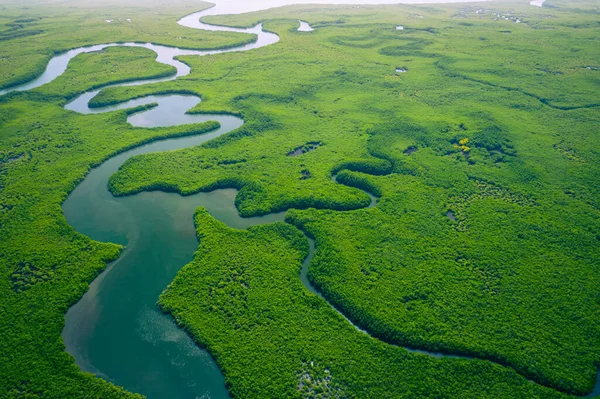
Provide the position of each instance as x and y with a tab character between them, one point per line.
116	330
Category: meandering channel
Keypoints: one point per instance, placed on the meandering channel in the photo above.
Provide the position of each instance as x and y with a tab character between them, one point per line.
115	330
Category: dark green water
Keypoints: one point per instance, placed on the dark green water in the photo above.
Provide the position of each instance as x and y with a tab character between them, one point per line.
116	330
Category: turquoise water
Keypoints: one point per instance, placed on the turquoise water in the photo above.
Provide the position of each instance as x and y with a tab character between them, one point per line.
116	330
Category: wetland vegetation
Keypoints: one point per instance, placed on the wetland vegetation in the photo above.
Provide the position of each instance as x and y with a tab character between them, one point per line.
484	242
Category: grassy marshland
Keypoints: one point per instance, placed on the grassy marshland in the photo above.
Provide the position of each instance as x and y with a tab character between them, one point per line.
503	115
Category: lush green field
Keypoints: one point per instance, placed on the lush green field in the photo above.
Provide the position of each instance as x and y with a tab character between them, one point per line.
513	281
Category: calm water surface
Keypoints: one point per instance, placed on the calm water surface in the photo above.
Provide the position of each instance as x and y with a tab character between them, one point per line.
116	330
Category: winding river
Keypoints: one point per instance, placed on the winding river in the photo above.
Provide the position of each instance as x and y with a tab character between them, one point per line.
116	330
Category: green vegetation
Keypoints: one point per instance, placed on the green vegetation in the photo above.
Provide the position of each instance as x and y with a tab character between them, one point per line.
46	266
269	335
505	121
31	34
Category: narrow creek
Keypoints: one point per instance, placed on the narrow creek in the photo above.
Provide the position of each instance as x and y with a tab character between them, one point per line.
115	330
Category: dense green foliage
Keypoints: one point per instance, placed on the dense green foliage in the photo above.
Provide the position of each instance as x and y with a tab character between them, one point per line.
241	298
46	266
513	279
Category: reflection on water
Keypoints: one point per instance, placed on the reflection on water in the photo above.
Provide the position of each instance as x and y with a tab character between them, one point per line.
304	27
